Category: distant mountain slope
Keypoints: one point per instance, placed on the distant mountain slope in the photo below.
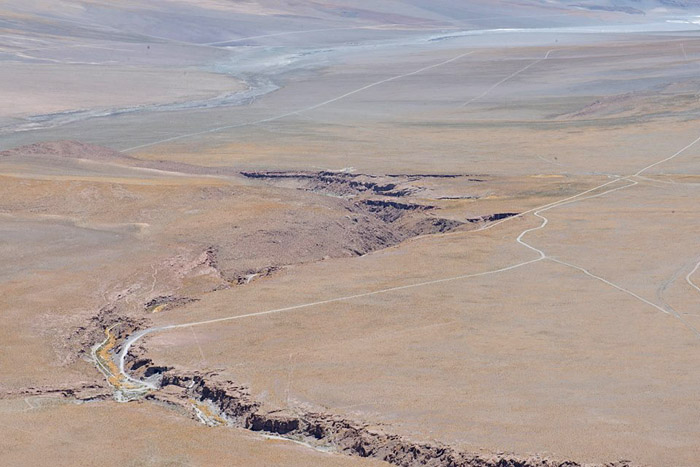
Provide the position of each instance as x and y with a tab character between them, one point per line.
636	6
220	20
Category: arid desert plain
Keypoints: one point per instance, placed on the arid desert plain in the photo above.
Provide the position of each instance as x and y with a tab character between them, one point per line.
350	233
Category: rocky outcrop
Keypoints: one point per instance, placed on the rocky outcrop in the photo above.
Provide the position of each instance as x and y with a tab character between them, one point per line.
343	435
493	217
84	337
343	184
468	177
251	275
163	302
389	211
278	423
84	391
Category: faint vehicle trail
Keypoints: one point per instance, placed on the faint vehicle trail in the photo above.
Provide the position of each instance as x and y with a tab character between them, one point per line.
507	219
668	158
662	289
668	182
587	272
201	352
295	112
513	75
154	275
622	289
135	337
290	374
690	274
618	287
545	221
629	292
641	171
22	53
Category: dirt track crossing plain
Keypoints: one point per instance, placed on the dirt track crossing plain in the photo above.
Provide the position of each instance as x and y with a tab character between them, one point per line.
334	233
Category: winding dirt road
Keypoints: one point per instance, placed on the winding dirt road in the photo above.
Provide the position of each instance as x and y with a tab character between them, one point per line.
139	386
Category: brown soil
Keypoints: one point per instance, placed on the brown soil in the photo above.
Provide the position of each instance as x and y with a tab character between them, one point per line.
326	430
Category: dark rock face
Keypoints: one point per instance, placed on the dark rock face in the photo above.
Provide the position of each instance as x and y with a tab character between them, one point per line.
493	217
341	184
170	300
389	211
436	225
272	423
83	337
362	213
359	214
348	185
346	436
